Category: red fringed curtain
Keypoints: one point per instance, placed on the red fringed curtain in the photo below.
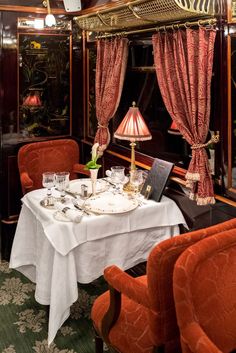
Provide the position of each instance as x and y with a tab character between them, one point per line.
183	61
111	65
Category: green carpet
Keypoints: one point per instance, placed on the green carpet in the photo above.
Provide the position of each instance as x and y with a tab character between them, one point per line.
24	322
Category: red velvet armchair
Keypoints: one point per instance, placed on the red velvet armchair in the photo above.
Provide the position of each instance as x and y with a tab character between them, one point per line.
205	295
138	315
54	155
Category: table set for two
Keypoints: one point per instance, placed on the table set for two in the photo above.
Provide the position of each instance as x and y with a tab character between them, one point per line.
58	245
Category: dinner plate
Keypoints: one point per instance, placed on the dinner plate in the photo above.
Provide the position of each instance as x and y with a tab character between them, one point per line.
75	186
109	203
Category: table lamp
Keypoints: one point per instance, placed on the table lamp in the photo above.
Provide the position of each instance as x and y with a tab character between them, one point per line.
133	128
173	129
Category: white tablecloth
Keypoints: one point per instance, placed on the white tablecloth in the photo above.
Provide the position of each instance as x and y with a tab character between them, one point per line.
56	255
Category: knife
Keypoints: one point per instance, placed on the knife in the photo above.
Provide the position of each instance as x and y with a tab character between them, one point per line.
69	193
81	208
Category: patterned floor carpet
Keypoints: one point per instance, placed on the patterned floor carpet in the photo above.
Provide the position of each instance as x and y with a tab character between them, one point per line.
23	322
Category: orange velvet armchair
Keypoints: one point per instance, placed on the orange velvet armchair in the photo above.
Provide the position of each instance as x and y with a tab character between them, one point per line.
54	155
204	285
138	315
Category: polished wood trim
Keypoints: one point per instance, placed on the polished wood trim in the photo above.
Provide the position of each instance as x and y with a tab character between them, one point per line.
112	314
217	197
103	7
10	220
85	82
36	10
229	11
147	164
71	80
225	200
176	170
229	133
18	85
141	165
56	11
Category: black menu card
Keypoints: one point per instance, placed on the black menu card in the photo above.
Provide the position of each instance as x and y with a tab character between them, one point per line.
157	179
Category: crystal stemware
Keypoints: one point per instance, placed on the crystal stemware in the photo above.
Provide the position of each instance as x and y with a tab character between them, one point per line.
118	177
62	183
136	179
48	182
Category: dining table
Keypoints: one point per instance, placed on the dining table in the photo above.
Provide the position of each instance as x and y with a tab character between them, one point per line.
75	239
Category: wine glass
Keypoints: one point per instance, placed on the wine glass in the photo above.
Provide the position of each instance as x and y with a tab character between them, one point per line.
136	179
118	176
62	183
48	182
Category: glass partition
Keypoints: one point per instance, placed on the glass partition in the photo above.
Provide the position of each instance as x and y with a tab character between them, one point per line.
44	84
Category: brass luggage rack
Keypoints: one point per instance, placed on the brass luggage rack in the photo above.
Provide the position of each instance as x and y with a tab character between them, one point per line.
143	13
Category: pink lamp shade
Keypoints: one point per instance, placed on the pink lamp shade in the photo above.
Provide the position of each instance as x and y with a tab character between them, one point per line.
174	129
133	126
32	100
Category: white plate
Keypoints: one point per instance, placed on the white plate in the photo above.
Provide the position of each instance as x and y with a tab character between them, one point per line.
75	185
109	179
109	203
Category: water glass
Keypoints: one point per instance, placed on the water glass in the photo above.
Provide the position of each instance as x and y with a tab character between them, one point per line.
136	179
118	176
62	182
48	182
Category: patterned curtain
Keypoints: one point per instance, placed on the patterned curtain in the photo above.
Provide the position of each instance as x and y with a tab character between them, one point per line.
183	61
111	65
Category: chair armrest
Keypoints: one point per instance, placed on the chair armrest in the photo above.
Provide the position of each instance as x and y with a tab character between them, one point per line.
121	283
127	285
193	336
80	169
26	181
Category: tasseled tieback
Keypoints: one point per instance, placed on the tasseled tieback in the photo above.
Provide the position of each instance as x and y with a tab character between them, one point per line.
103	126
214	139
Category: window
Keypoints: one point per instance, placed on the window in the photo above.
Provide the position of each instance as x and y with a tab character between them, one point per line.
141	86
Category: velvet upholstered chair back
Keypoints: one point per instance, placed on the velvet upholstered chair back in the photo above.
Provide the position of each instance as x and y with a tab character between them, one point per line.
160	267
54	155
205	295
118	318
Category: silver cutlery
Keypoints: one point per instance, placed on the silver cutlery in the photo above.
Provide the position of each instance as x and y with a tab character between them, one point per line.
109	182
70	193
81	208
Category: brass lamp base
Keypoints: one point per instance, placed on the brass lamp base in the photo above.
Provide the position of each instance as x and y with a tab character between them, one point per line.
128	187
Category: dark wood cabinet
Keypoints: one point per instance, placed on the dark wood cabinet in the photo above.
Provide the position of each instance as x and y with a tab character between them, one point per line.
11	188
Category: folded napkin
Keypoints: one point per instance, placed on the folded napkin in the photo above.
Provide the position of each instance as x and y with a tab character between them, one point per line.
73	215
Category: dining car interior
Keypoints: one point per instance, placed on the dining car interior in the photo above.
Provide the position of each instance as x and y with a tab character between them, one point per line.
118	176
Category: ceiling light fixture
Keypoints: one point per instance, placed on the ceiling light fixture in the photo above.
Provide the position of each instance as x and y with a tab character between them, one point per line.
49	19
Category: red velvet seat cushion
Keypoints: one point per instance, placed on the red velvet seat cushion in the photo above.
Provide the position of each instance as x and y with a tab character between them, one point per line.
133	319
